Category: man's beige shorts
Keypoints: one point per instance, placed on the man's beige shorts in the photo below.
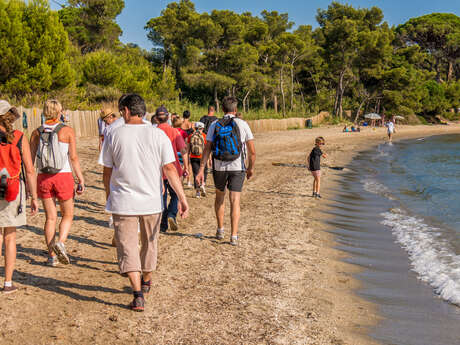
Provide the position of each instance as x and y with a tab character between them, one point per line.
130	259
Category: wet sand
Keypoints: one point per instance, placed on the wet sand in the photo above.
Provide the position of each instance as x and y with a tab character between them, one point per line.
284	283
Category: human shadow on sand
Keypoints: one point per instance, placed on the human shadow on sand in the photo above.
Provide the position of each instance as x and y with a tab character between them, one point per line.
95	187
278	193
39	231
62	287
200	237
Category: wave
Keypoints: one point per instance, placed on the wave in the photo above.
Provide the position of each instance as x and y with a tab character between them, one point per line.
431	256
374	187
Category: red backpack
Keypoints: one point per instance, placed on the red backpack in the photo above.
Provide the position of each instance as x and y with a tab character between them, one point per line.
10	166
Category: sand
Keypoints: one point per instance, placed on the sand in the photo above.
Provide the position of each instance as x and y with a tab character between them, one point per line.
284	283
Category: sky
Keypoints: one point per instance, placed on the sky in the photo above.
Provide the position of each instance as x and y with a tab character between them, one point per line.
138	12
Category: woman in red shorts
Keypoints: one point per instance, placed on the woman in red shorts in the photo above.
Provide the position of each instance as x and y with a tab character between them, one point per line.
60	185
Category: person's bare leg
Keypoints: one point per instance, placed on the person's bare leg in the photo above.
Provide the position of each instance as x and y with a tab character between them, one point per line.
67	218
1	241
219	207
235	211
318	184
135	280
314	184
50	223
147	276
9	235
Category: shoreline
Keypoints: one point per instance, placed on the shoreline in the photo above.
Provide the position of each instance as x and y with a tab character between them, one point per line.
362	329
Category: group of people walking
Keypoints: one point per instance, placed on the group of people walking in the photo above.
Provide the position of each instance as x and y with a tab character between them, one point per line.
141	166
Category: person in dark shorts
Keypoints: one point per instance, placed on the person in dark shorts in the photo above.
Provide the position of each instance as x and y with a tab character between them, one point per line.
314	165
229	174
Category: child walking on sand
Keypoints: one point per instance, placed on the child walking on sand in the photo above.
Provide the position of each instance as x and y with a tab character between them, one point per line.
314	165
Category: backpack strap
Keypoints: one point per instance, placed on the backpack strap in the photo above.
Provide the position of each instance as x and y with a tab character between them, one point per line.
17	141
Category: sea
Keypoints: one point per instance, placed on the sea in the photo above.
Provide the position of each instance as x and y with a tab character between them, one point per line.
396	212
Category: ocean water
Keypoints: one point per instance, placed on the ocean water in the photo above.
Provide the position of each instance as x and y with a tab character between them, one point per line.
397	213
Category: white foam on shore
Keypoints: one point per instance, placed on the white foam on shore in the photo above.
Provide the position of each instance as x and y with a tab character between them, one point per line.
374	187
431	256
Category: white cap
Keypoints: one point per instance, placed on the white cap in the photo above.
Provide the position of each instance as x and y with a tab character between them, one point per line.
4	107
199	125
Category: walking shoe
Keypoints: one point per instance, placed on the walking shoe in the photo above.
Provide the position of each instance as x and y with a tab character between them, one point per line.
137	304
234	240
318	196
198	195
52	261
203	190
314	195
220	234
145	286
59	249
9	289
172	223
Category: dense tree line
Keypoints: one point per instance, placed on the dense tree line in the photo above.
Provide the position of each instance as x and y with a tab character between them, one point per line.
352	60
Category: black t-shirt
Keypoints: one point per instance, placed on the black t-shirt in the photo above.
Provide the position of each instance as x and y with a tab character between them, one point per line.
315	158
207	120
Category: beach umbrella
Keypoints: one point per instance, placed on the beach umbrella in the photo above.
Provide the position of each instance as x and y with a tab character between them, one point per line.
373	116
398	117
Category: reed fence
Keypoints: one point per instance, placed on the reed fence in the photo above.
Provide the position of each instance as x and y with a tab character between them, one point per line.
85	122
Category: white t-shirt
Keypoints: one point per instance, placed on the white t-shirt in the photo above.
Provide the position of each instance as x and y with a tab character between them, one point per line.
391	127
137	154
245	134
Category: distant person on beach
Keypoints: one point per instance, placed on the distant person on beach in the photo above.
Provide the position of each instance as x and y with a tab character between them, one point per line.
186	124
135	156
209	118
227	139
195	147
107	116
314	165
390	130
168	219
14	155
54	150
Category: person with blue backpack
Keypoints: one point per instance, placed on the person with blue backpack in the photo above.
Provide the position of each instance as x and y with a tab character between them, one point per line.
229	140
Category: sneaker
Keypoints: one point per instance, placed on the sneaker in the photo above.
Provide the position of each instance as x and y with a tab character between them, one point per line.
314	195
189	185
198	195
220	234
137	304
203	190
52	261
318	196
59	249
234	240
172	223
145	286
9	289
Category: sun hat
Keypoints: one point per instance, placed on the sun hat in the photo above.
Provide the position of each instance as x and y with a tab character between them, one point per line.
4	107
161	111
199	124
106	112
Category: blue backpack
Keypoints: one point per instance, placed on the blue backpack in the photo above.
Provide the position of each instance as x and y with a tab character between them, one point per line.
226	142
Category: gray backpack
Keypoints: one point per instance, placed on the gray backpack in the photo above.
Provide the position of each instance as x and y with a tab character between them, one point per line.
50	159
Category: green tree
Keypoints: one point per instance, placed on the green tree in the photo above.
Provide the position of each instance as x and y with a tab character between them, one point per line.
439	35
91	23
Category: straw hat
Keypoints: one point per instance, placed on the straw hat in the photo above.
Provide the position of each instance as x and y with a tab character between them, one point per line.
106	112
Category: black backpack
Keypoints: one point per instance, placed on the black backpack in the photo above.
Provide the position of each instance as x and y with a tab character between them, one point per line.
207	120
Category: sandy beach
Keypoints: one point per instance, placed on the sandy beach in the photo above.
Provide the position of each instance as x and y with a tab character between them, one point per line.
284	283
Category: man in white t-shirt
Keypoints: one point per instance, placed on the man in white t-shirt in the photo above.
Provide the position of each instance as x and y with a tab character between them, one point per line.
135	156
229	174
390	129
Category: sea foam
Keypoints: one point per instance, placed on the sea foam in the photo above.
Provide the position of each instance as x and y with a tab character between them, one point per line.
431	256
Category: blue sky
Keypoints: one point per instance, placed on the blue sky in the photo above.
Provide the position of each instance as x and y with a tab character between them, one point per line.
138	12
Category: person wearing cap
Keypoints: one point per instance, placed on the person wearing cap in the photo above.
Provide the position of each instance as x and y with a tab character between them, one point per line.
195	147
135	156
107	117
12	214
168	219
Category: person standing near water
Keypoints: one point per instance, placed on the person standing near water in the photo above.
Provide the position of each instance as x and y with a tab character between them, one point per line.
55	180
390	129
314	165
14	154
135	156
227	139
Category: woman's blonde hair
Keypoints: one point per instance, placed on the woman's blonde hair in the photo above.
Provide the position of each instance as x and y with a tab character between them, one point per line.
52	109
177	122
